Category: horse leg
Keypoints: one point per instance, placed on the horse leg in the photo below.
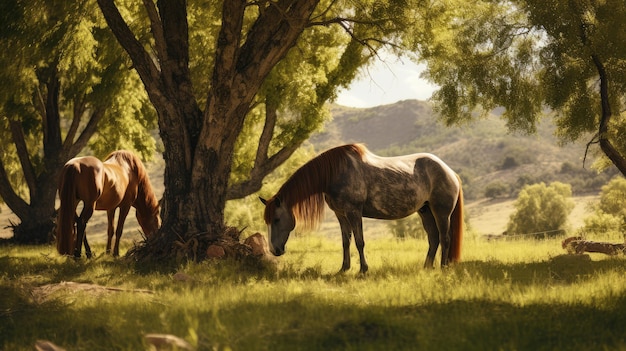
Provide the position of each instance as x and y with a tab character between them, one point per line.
110	219
346	234
81	224
356	222
430	225
87	248
120	227
442	218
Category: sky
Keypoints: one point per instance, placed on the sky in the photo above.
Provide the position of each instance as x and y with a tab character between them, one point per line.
387	81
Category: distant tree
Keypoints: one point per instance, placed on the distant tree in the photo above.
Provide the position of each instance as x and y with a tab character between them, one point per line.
496	189
66	87
509	162
409	227
541	209
613	198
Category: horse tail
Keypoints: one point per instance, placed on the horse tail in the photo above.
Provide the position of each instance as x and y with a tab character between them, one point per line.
456	228
67	211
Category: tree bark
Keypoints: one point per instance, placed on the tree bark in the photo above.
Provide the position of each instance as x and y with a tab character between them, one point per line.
605	118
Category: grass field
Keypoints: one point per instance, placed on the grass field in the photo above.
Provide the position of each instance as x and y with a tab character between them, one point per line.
505	295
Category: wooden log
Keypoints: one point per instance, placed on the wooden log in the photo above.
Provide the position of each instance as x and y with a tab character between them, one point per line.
577	245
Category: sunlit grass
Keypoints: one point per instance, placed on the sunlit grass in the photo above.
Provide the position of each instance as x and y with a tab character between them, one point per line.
519	294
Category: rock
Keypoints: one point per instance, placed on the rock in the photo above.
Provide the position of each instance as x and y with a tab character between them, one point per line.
258	244
215	251
167	342
182	277
45	345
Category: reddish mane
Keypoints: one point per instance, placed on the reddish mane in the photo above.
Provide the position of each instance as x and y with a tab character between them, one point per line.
303	192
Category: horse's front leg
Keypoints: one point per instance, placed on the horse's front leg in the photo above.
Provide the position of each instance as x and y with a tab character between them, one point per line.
110	230
428	221
356	222
120	228
346	234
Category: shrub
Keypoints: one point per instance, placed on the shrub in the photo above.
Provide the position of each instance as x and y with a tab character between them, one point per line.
409	227
496	189
541	210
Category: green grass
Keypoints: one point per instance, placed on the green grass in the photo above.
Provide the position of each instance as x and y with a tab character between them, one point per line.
505	295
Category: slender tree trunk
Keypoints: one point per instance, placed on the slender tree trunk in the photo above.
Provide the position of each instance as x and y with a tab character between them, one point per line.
603	130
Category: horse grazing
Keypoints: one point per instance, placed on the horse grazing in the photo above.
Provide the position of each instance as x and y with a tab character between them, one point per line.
121	181
355	183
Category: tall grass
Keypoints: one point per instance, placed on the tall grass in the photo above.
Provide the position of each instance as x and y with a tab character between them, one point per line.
505	295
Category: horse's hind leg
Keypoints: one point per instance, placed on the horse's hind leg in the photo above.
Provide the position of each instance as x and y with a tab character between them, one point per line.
346	233
430	225
81	224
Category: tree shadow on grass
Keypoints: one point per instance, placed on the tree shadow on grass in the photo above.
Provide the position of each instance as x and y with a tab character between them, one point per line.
314	324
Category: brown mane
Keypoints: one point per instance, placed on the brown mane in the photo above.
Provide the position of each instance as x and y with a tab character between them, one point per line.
303	192
146	202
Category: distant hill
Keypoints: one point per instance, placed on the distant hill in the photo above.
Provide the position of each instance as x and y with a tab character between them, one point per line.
492	161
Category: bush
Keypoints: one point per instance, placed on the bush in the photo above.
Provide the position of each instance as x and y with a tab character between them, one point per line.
409	227
496	189
541	210
610	213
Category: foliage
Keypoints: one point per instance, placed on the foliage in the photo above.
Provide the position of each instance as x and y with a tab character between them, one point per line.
409	227
524	55
496	189
516	294
541	210
610	213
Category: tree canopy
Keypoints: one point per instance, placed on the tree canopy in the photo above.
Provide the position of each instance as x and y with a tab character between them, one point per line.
526	56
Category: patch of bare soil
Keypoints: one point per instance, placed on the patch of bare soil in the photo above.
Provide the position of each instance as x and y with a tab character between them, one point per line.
43	293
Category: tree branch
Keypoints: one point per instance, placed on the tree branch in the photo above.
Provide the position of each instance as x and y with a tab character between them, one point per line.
22	153
87	133
8	194
145	66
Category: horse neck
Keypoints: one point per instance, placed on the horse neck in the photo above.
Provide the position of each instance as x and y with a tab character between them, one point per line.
146	202
304	191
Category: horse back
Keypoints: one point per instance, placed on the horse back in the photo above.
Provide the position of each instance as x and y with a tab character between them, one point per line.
395	187
117	186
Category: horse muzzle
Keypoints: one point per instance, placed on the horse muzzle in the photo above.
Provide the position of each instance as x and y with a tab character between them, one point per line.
277	251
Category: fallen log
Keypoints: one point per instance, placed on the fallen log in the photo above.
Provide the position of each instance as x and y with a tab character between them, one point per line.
578	245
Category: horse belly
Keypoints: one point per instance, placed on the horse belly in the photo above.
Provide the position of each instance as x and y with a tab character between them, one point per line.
392	203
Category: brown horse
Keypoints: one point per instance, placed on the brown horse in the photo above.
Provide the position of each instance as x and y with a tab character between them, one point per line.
121	181
356	183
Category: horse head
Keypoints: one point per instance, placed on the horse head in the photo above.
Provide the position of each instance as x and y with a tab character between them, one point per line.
280	222
150	224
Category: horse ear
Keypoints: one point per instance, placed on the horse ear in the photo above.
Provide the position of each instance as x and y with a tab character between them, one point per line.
263	200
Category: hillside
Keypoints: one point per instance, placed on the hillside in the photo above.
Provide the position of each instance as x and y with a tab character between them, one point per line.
488	157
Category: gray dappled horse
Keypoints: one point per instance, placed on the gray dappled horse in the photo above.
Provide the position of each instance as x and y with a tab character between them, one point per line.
355	183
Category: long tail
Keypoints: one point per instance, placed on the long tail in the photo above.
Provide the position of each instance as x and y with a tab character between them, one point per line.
456	226
67	211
